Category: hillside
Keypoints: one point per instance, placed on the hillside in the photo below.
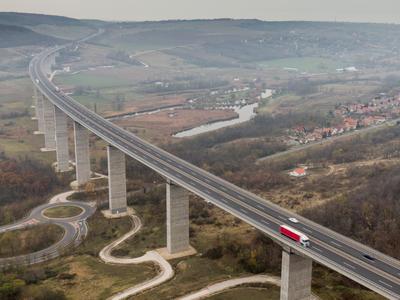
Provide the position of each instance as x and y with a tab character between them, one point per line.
24	19
15	36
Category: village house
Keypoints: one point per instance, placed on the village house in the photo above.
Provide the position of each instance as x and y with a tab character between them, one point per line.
298	172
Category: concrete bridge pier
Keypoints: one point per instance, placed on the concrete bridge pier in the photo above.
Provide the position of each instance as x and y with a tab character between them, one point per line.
61	140
82	156
49	125
35	103
177	219
116	180
296	277
39	114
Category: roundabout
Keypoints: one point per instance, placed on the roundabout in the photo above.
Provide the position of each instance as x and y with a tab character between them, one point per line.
72	221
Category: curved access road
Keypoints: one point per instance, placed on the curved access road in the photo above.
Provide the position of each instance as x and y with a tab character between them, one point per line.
75	230
228	284
222	286
165	274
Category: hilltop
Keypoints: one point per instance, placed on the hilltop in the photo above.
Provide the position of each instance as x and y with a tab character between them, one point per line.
22	29
26	19
15	36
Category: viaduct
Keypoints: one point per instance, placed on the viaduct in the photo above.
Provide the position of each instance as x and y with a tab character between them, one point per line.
379	272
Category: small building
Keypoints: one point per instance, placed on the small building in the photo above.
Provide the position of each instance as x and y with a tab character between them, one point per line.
299	172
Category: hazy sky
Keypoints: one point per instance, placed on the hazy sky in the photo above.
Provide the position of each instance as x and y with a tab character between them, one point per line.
387	11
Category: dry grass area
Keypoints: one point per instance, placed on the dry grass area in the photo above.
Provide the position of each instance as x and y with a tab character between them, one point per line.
28	240
162	125
85	277
322	184
209	226
245	293
148	103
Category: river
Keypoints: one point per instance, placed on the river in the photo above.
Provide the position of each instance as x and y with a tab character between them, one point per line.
245	113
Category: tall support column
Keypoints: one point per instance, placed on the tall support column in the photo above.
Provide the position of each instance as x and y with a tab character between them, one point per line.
49	124
82	158
116	180
296	277
61	140
40	115
177	218
35	103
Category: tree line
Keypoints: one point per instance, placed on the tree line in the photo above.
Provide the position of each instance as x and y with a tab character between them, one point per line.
24	184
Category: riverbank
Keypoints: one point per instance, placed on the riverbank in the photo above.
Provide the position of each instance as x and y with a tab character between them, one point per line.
244	114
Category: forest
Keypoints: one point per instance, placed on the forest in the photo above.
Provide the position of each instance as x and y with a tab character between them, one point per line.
24	184
371	214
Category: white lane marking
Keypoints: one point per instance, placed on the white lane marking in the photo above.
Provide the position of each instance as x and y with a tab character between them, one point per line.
306	229
178	175
265	222
385	283
243	211
349	265
336	244
319	250
282	218
260	207
241	197
223	200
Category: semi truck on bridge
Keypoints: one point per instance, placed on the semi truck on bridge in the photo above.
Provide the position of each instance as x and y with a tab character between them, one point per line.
295	235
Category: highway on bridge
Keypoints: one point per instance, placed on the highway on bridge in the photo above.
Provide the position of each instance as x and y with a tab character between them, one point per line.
328	248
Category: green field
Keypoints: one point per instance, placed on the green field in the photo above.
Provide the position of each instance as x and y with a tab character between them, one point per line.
303	64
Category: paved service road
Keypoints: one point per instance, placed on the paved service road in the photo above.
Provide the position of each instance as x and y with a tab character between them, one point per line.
328	248
166	270
75	230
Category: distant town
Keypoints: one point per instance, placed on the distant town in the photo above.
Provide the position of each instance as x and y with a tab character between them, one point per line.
353	116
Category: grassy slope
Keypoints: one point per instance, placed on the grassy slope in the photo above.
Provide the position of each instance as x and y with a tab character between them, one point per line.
62	211
26	19
91	278
244	293
15	36
25	241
